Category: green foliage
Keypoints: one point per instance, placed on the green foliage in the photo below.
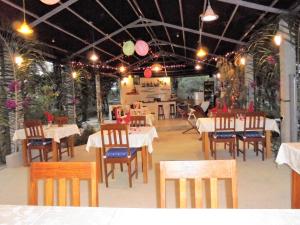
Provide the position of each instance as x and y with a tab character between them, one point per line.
186	86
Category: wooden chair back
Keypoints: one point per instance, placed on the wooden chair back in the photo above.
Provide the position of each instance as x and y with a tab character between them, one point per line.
33	129
224	121
61	120
198	170
114	135
63	171
138	121
238	112
254	121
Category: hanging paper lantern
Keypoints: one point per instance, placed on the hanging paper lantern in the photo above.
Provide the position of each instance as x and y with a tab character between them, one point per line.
141	48
49	2
147	73
128	48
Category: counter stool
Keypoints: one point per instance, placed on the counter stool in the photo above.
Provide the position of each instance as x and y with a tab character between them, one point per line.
161	113
172	111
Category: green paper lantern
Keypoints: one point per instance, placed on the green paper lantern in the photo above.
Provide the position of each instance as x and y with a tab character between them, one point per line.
128	48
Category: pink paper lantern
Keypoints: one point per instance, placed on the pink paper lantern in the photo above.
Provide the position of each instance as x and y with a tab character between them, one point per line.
147	73
141	48
49	2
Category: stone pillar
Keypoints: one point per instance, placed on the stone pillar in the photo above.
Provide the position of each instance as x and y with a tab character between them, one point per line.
249	78
99	98
287	55
70	94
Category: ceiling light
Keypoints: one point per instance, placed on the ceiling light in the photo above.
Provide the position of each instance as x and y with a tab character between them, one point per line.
198	67
218	75
122	69
49	2
243	61
156	67
18	60
277	39
209	14
94	57
201	53
24	28
74	74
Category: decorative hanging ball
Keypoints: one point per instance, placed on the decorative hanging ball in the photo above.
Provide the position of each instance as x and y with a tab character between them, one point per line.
141	48
148	73
49	2
128	48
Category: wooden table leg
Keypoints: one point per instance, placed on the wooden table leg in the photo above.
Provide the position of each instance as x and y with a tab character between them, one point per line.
145	163
268	144
99	164
205	145
54	151
295	190
71	145
149	159
25	153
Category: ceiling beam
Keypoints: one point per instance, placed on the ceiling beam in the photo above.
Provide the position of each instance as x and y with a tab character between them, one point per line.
52	12
158	23
256	6
182	24
257	21
163	20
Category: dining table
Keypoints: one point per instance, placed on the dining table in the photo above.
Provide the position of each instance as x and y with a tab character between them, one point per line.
46	215
289	154
205	125
56	133
139	137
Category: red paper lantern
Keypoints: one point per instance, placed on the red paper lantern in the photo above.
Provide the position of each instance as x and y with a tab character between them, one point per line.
141	48
147	73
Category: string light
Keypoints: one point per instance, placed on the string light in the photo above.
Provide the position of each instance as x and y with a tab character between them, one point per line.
74	74
122	69
94	57
277	39
198	67
18	60
243	61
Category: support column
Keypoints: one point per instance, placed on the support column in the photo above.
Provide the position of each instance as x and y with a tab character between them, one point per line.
249	78
70	95
99	98
287	55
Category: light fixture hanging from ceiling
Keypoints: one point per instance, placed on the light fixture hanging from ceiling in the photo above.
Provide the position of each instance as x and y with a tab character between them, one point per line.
209	14
49	2
24	28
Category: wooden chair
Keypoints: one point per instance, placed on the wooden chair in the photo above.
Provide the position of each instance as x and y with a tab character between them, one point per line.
198	170
138	121
63	171
35	140
254	132
60	121
115	148
224	132
238	112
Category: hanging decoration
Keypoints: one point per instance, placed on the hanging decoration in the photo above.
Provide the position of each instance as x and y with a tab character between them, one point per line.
24	28
128	48
50	2
147	73
141	48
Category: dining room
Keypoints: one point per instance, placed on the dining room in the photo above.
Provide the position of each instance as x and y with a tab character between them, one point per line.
185	110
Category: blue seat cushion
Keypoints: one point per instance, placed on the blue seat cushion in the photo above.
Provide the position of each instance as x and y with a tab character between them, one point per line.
119	152
39	142
251	134
224	135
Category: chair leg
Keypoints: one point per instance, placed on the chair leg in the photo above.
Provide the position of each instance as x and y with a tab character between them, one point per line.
237	148
113	171
244	150
215	150
41	155
263	151
121	166
105	173
129	174
30	156
136	167
233	149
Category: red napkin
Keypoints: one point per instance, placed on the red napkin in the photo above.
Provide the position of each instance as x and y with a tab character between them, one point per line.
225	109
251	107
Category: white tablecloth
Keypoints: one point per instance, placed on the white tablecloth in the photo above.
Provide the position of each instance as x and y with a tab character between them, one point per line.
138	137
41	215
54	132
289	153
207	124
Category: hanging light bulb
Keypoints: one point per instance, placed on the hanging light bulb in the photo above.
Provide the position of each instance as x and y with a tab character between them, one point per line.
18	60
122	69
74	74
201	52
156	67
277	39
209	14
243	61
94	57
198	67
24	28
218	75
49	2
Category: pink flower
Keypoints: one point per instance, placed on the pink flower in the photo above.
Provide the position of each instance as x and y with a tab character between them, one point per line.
271	60
10	104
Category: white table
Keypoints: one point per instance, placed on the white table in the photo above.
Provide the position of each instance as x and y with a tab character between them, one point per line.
289	153
140	137
207	124
42	215
54	132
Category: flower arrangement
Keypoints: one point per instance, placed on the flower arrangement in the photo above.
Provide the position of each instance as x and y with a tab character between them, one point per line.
10	104
49	117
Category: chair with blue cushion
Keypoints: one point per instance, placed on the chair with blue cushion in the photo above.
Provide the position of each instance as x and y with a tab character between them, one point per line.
35	140
115	149
224	132
254	132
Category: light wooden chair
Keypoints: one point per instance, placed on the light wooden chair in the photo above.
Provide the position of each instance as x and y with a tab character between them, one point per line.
60	121
138	121
63	171
198	170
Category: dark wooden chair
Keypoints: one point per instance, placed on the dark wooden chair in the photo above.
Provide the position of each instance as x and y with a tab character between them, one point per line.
60	121
137	121
254	132
62	172
198	171
224	132
35	140
115	149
